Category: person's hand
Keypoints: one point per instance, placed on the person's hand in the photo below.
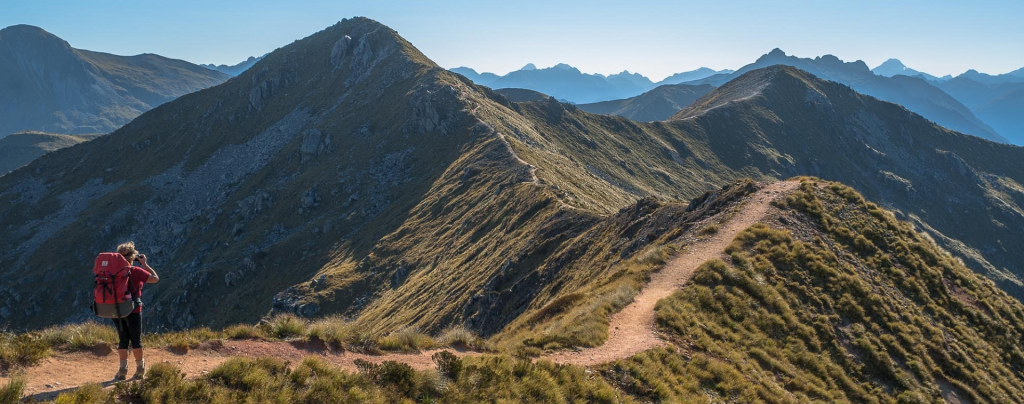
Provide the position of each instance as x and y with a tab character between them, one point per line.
142	259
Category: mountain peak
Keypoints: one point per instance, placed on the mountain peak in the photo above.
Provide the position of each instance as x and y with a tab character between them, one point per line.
529	66
892	63
563	66
747	86
775	55
30	35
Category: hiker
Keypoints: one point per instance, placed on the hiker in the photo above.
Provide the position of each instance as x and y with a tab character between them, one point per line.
129	329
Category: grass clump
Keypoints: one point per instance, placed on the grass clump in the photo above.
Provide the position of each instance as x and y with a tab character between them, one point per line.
285	326
28	348
709	230
181	341
11	392
459	336
408	339
244	331
91	393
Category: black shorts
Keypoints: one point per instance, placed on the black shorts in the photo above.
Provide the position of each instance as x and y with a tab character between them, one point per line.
129	329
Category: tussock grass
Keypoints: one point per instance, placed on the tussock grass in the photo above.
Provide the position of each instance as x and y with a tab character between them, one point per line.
11	392
29	348
408	339
244	331
181	341
91	393
491	379
285	326
459	336
711	229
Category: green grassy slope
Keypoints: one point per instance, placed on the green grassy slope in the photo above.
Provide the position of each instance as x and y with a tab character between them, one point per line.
834	301
21	148
348	174
657	104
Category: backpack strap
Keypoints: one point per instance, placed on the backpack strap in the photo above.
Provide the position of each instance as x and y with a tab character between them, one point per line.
131	284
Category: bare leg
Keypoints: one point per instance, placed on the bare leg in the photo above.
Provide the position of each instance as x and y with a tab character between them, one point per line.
122	354
137	352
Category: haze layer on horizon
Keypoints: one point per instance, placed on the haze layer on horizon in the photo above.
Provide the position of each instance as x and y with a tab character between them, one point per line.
653	37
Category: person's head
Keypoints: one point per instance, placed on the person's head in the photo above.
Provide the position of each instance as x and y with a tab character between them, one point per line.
127	249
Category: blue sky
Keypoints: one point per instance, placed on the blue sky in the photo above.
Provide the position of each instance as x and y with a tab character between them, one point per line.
655	38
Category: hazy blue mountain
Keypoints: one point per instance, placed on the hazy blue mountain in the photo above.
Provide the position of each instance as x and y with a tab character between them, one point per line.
565	82
46	85
1006	114
659	104
894	67
483	79
1016	76
626	79
234	70
915	94
998	104
692	75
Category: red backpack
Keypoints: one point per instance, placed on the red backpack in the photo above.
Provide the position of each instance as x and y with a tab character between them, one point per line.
114	295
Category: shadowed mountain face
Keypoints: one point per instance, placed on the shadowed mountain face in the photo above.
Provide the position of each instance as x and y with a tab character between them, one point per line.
658	104
692	75
234	70
913	93
47	85
1016	76
21	148
347	173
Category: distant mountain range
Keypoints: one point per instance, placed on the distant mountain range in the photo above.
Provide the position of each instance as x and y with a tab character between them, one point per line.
349	174
234	70
913	93
565	82
46	85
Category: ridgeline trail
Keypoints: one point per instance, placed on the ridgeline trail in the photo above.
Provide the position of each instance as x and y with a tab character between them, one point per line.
631	330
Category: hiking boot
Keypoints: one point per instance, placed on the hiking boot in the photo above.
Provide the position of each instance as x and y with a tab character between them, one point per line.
122	374
140	372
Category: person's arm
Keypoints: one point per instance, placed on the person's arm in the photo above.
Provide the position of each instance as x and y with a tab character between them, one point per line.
153	276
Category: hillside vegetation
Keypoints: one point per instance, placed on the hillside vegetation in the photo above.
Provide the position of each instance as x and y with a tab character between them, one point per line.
21	148
833	300
658	104
347	174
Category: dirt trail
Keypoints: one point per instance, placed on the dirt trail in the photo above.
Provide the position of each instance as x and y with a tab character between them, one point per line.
632	330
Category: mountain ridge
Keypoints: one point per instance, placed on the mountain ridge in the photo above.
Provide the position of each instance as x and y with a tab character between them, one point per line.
348	174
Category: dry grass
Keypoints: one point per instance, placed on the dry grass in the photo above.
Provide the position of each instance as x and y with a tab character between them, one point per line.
408	339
